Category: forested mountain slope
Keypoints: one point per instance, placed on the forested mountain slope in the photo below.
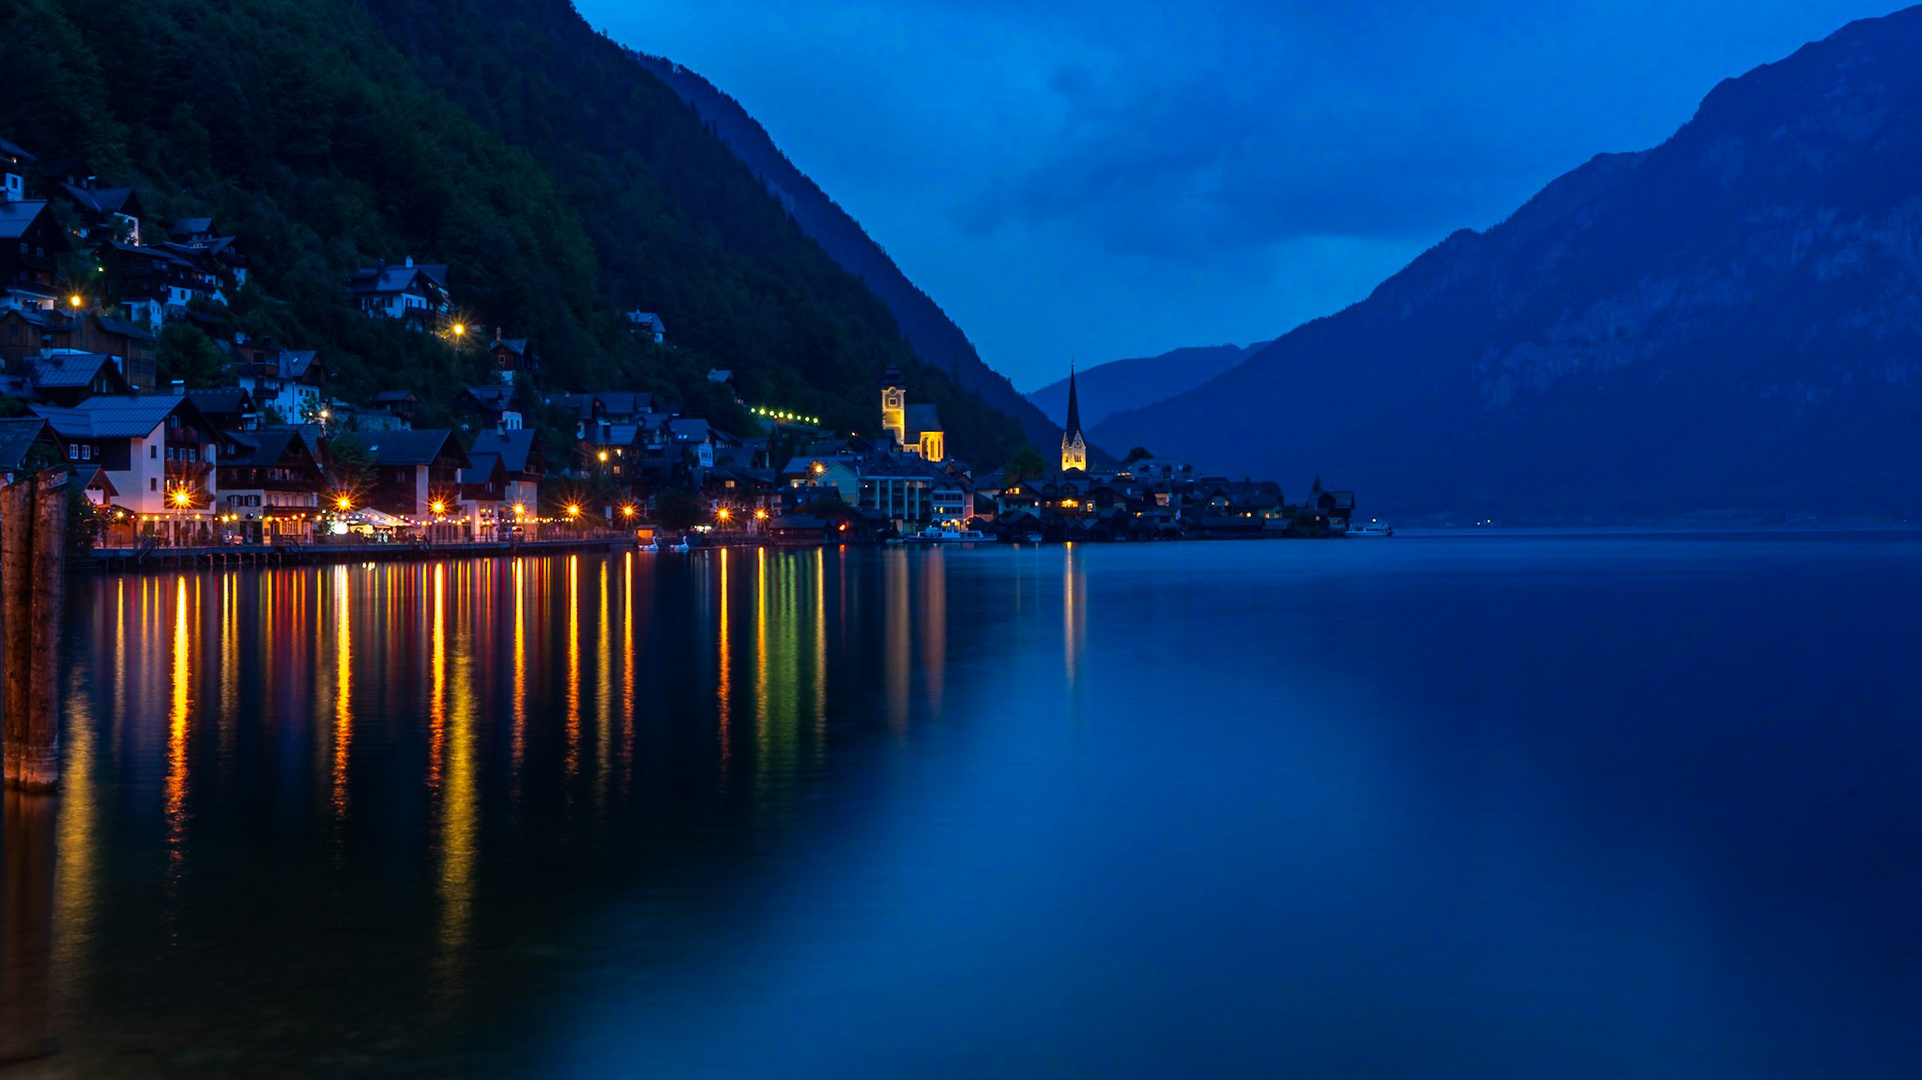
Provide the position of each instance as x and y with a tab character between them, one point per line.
561	182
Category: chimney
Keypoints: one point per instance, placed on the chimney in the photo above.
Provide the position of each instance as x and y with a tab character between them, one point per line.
180	386
410	260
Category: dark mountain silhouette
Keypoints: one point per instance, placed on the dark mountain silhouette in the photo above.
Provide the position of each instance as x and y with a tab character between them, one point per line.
1120	385
1732	320
936	340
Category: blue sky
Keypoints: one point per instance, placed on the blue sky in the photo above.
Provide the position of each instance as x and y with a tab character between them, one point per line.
1090	181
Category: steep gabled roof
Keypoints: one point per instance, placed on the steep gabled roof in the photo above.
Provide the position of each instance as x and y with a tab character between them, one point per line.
17	217
69	370
18	438
113	416
12	150
514	448
412	447
923	418
378	280
266	447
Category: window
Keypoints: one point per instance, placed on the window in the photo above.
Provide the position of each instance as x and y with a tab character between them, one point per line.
153	451
153	484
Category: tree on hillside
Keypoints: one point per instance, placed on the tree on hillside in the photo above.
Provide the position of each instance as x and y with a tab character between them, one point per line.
189	356
1026	463
1139	453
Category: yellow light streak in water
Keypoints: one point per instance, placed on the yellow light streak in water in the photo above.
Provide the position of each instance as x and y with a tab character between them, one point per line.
460	814
177	715
520	672
760	651
573	666
437	681
77	854
724	685
627	673
604	695
343	689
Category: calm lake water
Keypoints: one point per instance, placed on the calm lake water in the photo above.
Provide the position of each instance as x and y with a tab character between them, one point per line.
1477	807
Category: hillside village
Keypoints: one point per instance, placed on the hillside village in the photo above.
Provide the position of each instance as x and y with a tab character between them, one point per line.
265	451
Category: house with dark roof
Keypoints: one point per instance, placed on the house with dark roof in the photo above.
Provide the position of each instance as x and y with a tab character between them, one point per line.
158	450
524	459
648	325
227	408
492	406
27	445
13	172
410	290
157	284
290	382
32	332
31	243
484	494
68	378
414	471
105	213
513	356
270	482
401	403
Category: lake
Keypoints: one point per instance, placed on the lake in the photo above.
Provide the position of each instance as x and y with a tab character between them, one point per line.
1475	806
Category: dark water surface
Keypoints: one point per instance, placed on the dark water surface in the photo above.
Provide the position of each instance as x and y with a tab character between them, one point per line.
1478	807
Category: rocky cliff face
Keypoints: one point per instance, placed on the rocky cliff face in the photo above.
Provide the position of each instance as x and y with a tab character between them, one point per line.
936	340
1732	320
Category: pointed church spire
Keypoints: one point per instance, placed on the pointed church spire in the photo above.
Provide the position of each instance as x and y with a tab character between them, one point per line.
1074	446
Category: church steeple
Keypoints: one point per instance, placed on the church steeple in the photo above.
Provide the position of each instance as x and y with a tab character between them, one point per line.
1074	446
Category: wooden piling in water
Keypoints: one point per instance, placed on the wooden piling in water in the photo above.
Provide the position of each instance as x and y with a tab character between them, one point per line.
16	634
33	564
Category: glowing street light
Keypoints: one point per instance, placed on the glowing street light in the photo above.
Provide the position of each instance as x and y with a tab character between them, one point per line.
603	455
438	506
76	300
459	329
182	499
760	515
723	513
627	511
519	509
343	504
573	509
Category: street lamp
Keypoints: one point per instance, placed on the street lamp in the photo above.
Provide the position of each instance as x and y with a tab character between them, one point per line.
343	504
627	511
182	499
573	510
438	506
76	300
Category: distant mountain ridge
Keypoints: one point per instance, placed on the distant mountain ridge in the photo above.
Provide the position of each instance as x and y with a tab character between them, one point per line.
936	340
1120	385
1730	321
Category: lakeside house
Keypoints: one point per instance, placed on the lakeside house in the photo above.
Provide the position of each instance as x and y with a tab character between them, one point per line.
157	450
